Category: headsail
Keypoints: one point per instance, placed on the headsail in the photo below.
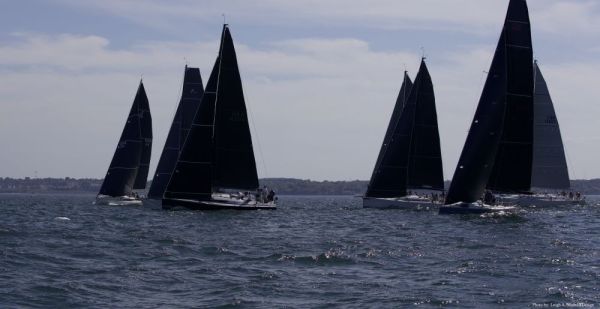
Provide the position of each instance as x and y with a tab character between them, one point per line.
192	175
512	58
234	166
146	137
378	185
413	157
121	174
191	95
549	163
513	162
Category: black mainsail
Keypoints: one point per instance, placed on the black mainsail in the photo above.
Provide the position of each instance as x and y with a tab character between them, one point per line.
425	169
513	163
122	172
503	94
411	158
378	186
234	166
141	179
191	95
549	162
217	152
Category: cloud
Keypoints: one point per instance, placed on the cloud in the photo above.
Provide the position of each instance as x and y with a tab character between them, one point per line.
320	107
471	16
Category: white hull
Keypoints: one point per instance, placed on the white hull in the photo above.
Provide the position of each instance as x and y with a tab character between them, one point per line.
117	200
220	201
539	200
474	208
408	202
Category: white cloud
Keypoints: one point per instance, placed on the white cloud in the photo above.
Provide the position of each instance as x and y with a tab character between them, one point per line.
320	106
472	16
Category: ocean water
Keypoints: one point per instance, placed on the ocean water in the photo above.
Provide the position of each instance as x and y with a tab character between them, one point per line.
60	251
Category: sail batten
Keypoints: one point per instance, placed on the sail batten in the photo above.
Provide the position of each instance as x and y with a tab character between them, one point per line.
191	95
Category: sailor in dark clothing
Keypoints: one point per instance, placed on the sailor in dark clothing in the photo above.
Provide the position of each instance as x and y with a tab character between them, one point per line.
270	196
489	198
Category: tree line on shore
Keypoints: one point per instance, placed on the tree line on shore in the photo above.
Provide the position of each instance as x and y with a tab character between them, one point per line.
283	186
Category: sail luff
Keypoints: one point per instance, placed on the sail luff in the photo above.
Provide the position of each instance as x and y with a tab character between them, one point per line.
550	169
191	95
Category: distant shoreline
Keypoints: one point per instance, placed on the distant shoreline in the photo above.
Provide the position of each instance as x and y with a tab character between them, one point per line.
283	186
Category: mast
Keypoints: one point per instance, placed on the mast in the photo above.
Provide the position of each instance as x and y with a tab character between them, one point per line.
146	138
123	169
512	58
377	186
191	96
550	169
513	163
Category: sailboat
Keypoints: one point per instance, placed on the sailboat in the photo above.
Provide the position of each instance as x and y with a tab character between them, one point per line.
499	142
191	95
549	173
216	168
410	156
128	170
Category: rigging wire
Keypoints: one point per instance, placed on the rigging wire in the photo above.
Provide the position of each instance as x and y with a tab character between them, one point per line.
262	156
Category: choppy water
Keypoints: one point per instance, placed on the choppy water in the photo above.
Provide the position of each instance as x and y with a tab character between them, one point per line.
62	251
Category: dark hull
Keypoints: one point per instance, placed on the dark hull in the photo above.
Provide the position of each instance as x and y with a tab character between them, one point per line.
173	204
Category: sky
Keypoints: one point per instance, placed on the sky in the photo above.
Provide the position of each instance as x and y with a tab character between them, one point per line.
320	77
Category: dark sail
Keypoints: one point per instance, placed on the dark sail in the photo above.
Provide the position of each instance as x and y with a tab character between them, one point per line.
234	166
146	137
123	168
192	175
512	167
378	185
425	169
413	157
479	152
191	95
549	163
